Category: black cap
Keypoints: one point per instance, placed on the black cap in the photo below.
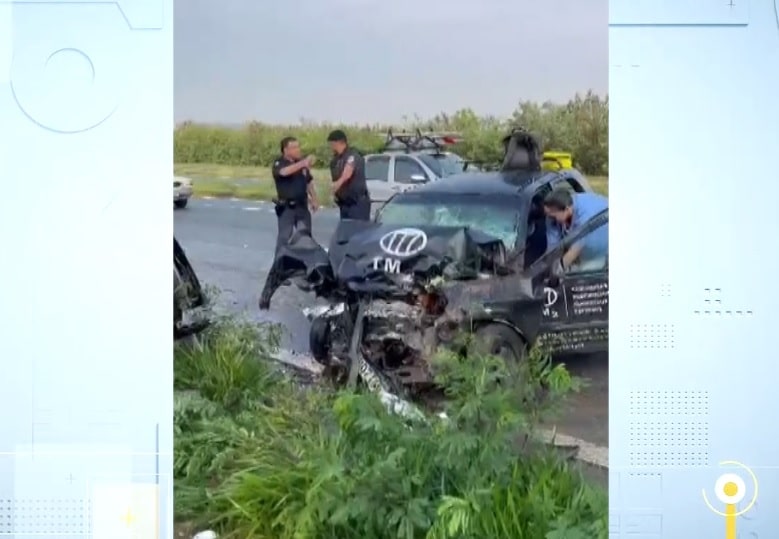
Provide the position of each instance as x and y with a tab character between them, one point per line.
336	136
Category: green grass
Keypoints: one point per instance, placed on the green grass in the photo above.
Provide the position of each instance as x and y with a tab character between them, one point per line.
255	183
600	184
258	457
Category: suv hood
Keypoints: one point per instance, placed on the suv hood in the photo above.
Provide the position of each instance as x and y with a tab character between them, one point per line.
388	259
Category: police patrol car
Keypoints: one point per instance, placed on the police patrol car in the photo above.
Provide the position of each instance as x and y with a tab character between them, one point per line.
411	159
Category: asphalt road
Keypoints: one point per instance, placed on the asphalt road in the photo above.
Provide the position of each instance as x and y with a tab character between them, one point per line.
230	244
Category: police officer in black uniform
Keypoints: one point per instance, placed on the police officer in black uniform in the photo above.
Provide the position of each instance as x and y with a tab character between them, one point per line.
347	169
295	192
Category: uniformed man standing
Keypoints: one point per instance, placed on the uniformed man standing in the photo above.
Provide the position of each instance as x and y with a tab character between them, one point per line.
296	197
347	169
294	190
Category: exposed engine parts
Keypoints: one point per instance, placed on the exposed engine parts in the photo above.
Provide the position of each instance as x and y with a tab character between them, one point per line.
397	339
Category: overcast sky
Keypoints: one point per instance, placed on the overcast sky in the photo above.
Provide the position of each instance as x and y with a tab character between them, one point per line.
376	61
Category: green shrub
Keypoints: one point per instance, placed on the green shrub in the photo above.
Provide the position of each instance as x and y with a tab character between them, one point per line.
579	126
224	368
323	464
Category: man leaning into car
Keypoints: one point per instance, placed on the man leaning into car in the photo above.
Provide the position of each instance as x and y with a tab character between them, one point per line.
566	212
294	195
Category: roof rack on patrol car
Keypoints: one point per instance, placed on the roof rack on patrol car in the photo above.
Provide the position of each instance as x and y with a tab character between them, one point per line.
418	141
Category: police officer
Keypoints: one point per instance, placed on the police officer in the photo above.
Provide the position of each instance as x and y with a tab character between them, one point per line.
294	190
347	169
295	193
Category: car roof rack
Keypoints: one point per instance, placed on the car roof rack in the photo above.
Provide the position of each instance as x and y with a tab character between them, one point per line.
419	141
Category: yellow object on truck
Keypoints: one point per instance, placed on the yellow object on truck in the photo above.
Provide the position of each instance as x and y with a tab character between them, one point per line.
556	160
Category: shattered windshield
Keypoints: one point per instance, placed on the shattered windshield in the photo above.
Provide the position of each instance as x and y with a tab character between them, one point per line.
496	216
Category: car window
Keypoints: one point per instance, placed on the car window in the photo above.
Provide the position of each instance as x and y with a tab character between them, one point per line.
377	168
542	191
443	164
492	215
595	252
405	167
569	183
594	256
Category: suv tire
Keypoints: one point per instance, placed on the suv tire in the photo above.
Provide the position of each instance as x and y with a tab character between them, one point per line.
501	341
319	340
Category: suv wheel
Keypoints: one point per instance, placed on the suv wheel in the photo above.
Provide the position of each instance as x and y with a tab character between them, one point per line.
319	340
501	341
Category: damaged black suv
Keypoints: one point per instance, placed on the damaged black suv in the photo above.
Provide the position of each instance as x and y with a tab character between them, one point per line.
467	254
573	313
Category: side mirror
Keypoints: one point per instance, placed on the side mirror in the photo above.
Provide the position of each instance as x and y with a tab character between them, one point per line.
418	178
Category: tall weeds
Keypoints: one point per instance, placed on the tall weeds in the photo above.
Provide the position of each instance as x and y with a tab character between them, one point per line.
258	457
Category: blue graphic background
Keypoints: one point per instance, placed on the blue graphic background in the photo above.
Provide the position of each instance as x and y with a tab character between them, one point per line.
694	138
86	108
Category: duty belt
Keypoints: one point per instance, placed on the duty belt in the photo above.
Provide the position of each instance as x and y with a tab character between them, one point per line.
350	200
289	202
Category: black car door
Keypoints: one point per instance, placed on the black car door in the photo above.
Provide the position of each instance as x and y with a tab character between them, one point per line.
575	316
575	312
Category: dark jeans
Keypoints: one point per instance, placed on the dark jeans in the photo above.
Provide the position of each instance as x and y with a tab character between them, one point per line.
360	209
290	219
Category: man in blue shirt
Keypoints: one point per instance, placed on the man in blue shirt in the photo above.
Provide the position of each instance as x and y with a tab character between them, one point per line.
567	211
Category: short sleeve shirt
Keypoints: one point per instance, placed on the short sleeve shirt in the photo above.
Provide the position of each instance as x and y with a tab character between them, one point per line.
356	186
294	186
585	207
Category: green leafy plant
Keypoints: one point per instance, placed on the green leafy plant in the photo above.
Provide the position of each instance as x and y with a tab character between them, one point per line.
287	462
222	365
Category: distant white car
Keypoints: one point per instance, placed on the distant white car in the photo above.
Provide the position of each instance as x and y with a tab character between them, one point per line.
411	159
182	190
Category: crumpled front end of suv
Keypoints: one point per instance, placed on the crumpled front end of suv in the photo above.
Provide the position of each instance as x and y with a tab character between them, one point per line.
408	305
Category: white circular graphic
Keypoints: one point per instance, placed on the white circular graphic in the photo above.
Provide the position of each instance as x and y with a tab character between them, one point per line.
67	79
403	242
730	489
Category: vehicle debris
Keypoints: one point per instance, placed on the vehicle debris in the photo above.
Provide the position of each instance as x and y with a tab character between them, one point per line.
188	297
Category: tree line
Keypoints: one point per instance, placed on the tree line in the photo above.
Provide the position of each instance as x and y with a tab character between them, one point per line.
580	126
